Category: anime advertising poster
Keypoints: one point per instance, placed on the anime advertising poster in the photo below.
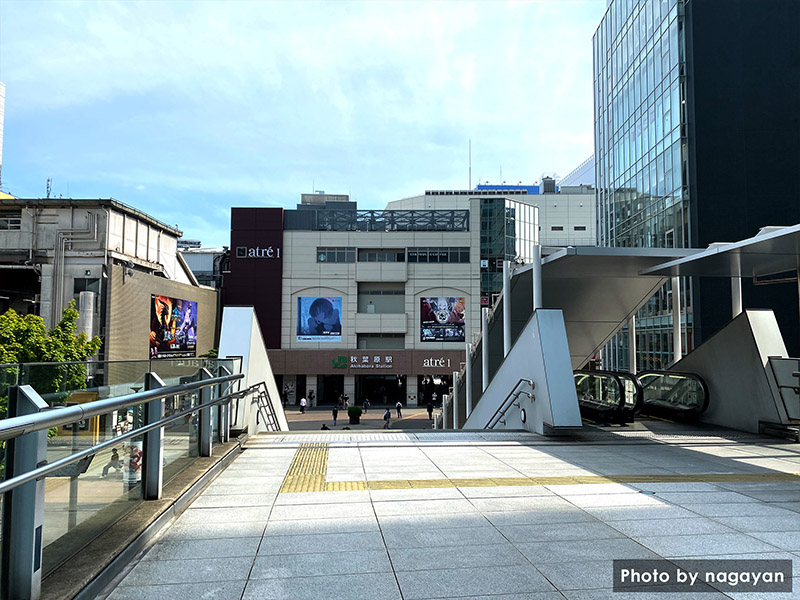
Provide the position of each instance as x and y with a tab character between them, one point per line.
173	328
442	319
319	319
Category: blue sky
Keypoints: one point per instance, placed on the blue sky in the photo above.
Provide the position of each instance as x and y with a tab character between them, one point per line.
184	109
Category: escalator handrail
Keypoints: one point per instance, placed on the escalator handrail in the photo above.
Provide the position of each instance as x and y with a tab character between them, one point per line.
637	386
693	376
615	376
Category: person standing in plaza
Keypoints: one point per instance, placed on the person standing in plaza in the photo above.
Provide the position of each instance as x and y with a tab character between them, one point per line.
303	404
387	418
399	407
335	413
430	411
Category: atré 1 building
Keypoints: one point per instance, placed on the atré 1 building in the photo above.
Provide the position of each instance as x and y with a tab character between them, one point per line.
373	303
697	140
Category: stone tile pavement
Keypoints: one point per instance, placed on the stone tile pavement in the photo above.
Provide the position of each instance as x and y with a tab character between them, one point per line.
473	515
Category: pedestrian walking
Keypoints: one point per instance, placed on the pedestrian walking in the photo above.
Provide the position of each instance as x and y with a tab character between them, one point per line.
387	417
303	404
366	405
335	413
435	397
399	407
114	463
430	411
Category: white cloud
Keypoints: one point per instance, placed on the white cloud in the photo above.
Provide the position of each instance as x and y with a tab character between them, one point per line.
257	99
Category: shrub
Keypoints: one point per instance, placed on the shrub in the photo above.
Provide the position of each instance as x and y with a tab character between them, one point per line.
354	411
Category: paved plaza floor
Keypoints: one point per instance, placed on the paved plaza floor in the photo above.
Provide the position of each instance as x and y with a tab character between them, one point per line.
408	515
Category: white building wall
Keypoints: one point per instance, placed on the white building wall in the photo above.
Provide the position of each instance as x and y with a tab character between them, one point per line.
304	276
570	211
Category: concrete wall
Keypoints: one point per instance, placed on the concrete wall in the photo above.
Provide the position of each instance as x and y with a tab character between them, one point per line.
241	336
129	314
733	364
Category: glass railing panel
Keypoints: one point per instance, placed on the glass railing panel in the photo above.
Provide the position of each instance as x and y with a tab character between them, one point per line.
784	369
180	437
86	498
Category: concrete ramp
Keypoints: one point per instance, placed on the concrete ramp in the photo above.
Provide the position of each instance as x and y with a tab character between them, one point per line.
241	336
541	355
734	365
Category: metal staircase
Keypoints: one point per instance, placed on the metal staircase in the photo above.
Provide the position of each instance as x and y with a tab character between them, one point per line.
266	412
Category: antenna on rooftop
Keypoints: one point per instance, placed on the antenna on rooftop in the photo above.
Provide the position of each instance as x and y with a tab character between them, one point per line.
49	186
470	164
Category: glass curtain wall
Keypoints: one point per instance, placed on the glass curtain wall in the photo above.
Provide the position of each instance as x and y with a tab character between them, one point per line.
640	153
509	230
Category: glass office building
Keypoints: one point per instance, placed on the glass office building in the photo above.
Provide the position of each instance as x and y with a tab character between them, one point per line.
640	153
508	232
697	140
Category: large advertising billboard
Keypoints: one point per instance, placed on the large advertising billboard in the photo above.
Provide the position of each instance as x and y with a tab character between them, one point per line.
319	319
173	328
442	319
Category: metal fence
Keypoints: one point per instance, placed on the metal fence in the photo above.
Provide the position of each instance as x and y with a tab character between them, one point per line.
76	464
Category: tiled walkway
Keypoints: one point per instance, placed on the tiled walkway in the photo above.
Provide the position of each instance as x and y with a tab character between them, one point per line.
502	516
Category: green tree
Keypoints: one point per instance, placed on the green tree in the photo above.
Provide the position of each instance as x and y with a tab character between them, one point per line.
24	339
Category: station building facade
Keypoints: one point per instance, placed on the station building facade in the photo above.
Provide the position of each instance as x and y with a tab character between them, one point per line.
376	304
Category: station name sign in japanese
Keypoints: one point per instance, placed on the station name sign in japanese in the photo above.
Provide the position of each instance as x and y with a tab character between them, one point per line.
363	361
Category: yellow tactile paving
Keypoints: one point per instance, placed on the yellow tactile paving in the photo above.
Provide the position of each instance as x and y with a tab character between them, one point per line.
309	467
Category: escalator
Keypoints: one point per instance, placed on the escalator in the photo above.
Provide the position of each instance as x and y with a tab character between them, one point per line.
615	397
612	397
677	396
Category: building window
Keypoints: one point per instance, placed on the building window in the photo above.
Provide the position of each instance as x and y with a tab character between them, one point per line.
381	255
580	228
381	341
439	255
11	220
336	255
557	228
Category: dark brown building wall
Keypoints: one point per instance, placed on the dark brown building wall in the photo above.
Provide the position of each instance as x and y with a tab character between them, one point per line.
328	362
257	267
128	336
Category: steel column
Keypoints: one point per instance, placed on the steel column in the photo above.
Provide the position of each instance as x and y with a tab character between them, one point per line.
204	433
484	349
736	296
455	400
506	309
224	426
468	377
631	345
536	276
676	319
153	447
23	507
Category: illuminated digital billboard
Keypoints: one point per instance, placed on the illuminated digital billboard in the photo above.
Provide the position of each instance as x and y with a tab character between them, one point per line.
442	319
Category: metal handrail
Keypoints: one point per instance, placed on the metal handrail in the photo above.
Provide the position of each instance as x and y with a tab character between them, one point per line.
42	471
679	374
618	376
56	417
505	404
